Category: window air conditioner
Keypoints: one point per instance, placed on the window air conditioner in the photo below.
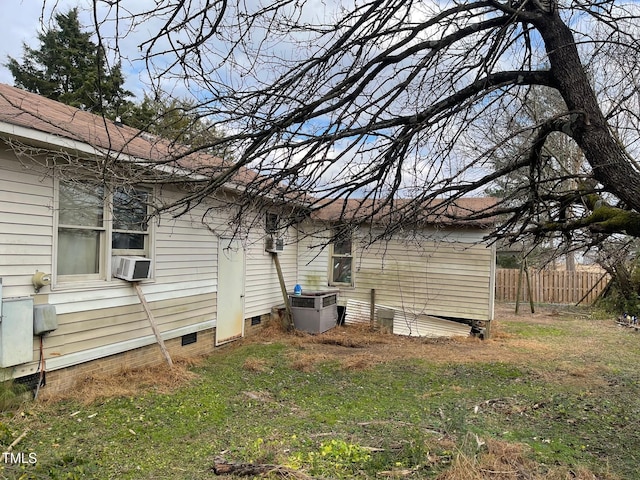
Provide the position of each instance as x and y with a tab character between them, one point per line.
274	245
131	269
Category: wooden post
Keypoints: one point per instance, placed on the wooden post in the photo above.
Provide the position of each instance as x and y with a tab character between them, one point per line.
526	272
288	316
372	311
152	321
518	290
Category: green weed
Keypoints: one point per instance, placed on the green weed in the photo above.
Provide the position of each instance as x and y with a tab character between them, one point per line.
12	395
413	416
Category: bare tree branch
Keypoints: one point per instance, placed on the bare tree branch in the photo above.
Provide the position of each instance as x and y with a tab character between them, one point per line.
390	102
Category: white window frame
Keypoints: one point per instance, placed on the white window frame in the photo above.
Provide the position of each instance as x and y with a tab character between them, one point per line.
145	250
338	255
106	250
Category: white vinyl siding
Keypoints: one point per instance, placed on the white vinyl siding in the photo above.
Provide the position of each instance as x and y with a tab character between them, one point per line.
313	261
95	317
445	272
185	250
88	323
262	287
450	283
26	226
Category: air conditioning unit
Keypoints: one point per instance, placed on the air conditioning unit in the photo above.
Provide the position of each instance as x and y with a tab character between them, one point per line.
131	269
274	245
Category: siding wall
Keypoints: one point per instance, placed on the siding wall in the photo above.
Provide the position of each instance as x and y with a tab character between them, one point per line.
103	317
262	287
185	250
448	276
26	225
313	259
441	272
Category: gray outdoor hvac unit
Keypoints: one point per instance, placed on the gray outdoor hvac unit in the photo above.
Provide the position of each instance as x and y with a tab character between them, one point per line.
314	312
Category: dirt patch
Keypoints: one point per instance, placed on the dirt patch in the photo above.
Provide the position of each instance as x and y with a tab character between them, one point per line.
253	364
360	347
497	460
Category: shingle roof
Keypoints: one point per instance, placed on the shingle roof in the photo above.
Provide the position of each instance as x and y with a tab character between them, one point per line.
29	110
25	109
32	111
469	211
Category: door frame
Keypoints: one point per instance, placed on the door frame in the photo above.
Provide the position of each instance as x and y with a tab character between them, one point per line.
232	318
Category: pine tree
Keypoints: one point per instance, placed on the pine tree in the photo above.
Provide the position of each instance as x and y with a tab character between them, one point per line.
70	68
177	120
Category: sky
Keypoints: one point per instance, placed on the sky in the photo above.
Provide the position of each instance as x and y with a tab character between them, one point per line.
20	22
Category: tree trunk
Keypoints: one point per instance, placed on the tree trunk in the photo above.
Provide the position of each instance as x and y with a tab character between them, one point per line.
570	262
611	166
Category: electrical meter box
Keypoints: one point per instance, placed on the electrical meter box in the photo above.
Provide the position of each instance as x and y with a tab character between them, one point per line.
16	331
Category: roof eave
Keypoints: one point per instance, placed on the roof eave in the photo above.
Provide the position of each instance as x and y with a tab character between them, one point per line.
47	140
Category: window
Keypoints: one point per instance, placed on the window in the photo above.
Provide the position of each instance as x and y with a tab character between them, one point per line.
81	229
341	268
87	217
130	235
272	224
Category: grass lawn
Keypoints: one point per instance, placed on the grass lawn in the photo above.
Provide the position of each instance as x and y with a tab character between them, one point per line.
554	395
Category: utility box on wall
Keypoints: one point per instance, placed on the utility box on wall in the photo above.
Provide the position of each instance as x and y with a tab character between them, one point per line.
16	332
44	319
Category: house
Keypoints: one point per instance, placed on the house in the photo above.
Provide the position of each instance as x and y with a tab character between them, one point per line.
68	217
58	217
440	268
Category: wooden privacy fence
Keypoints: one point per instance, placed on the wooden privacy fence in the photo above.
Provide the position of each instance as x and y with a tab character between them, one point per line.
551	286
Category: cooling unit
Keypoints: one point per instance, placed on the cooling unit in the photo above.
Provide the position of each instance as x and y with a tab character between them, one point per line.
274	245
131	269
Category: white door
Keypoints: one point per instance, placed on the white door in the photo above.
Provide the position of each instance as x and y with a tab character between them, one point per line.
230	321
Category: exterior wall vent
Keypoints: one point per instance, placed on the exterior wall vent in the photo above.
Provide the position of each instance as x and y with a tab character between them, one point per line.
31	381
189	338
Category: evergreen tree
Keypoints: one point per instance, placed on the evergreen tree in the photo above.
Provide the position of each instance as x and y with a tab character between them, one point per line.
70	68
176	120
